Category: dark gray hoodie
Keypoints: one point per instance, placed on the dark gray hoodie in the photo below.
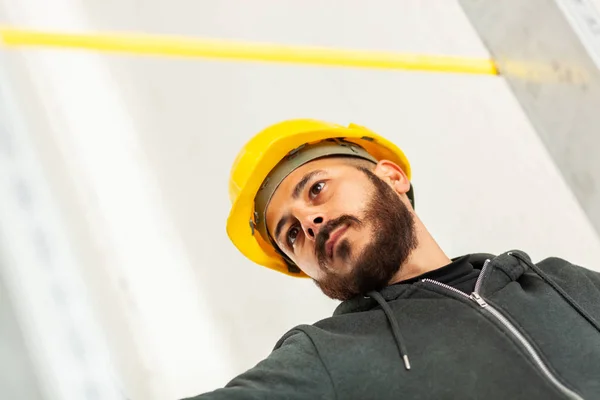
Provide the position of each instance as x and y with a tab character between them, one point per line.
527	332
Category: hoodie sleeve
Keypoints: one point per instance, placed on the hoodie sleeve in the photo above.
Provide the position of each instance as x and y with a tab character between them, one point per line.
293	370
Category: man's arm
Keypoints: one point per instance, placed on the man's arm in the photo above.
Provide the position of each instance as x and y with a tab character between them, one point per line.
293	370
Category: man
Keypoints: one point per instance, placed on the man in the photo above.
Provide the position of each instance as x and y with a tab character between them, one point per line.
335	204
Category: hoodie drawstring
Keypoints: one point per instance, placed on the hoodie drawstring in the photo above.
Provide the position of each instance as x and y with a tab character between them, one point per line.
394	325
559	290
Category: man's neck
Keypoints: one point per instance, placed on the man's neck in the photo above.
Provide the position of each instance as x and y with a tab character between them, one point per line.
428	256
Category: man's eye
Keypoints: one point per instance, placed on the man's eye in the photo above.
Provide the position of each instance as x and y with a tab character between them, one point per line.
292	235
316	189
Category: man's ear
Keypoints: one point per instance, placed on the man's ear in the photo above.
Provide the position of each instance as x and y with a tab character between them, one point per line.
393	175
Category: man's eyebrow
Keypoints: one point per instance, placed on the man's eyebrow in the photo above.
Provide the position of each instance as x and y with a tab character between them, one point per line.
302	183
282	222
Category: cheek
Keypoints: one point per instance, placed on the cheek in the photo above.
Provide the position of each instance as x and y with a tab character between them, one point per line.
354	206
313	270
360	236
307	261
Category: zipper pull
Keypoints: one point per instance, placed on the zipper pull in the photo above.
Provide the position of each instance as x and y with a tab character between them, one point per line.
477	299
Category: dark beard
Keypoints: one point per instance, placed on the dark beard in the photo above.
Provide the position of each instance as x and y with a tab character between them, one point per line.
376	265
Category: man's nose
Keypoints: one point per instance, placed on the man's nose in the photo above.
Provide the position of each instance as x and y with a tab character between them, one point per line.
311	224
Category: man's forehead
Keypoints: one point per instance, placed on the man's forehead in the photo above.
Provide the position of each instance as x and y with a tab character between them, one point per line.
313	170
317	167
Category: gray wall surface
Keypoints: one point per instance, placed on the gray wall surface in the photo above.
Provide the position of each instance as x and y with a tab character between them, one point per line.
550	57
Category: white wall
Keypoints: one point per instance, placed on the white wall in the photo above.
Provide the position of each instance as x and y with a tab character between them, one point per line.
483	181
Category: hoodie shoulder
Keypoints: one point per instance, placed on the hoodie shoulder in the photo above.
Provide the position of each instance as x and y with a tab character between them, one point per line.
565	272
581	283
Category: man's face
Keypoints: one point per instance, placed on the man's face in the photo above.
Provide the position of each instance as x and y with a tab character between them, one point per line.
343	226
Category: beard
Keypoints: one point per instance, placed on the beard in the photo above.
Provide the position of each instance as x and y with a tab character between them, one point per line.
393	240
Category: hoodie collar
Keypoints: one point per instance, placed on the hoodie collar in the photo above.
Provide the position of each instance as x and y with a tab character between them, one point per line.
509	266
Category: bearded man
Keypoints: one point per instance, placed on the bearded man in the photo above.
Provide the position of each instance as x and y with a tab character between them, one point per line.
336	204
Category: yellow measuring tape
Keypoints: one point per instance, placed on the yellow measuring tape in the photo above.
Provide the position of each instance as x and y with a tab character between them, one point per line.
174	46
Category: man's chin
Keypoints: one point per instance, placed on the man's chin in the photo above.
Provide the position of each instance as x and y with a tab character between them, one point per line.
337	285
337	267
333	291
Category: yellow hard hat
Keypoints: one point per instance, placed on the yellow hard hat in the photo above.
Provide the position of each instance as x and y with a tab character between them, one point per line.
264	152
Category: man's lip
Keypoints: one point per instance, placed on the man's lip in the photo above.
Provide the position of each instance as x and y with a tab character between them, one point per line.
333	238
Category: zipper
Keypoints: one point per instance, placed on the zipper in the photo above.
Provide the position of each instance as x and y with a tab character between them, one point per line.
484	305
481	275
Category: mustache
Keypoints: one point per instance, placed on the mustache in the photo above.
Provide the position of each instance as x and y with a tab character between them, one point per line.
325	232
